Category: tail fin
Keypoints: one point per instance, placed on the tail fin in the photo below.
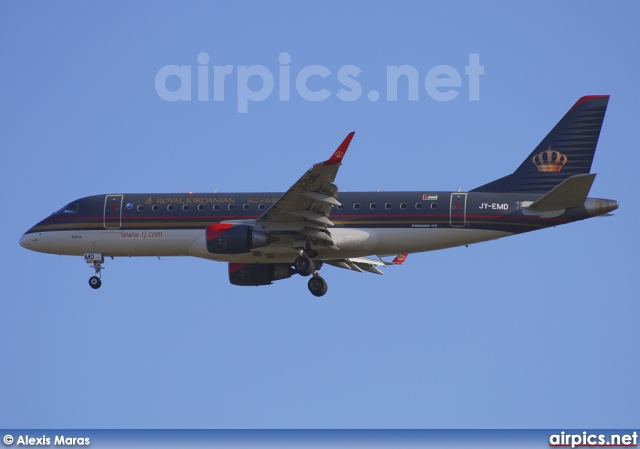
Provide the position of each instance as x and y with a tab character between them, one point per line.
567	150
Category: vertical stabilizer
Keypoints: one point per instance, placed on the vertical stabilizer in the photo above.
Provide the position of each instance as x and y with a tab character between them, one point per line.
567	150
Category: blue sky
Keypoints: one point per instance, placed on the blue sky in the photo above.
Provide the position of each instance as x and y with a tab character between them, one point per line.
533	331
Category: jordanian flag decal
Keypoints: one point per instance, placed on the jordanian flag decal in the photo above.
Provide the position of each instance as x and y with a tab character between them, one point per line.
429	197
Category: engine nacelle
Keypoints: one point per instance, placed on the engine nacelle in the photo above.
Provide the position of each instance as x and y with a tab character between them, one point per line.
258	274
227	238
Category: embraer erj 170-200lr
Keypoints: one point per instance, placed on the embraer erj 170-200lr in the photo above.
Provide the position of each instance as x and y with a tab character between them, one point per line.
266	237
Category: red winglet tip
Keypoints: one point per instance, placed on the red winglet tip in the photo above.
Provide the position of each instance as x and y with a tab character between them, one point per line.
337	156
400	258
588	98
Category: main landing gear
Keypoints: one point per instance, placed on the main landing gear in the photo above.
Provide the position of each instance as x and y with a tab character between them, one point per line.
317	286
96	261
307	267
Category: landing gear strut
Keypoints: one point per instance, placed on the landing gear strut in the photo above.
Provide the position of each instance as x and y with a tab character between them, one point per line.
96	261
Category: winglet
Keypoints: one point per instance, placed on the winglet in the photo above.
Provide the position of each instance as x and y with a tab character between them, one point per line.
399	260
337	156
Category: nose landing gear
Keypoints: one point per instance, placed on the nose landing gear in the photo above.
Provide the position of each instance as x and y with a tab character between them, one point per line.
95	282
96	261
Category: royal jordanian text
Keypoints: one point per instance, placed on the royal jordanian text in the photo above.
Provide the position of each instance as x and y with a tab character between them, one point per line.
57	440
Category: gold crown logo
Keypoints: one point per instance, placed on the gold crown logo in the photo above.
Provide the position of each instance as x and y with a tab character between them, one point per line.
549	161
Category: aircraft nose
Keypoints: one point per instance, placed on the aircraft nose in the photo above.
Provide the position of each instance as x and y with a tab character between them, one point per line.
28	241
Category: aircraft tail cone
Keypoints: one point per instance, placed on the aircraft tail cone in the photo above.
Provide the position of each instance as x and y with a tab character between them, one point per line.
597	206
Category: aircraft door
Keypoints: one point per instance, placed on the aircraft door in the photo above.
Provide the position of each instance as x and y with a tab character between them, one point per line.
113	211
458	217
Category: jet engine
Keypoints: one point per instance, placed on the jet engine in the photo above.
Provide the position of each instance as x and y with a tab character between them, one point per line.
227	238
258	274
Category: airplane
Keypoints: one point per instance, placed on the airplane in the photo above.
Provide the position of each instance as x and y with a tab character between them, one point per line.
266	237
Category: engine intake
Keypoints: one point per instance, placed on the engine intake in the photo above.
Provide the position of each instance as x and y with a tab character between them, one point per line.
258	274
227	238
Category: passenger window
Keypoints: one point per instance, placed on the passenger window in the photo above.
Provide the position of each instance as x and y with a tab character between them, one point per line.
201	207
185	207
231	206
418	205
170	207
403	206
261	206
155	207
372	206
387	206
434	205
216	207
140	208
245	207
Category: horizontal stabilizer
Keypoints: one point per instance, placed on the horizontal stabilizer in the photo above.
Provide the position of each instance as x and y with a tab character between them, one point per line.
572	192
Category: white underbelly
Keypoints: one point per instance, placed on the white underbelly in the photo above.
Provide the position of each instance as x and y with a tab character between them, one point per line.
415	240
192	242
360	243
157	242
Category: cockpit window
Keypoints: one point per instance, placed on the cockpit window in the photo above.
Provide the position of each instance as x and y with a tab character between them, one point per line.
68	209
71	209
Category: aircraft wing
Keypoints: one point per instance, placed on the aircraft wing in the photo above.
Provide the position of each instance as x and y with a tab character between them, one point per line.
309	201
361	264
